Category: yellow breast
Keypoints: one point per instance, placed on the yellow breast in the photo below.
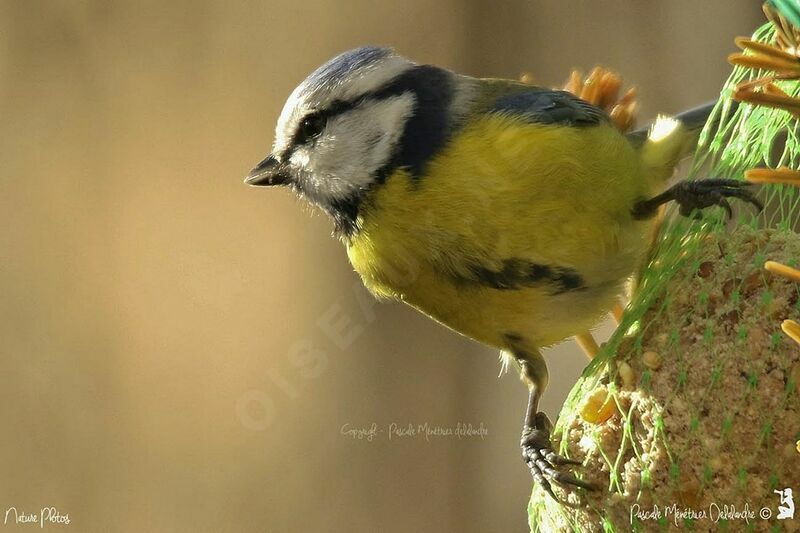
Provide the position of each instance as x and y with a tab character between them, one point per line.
504	189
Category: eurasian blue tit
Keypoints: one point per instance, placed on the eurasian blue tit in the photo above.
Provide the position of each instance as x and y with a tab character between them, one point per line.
512	214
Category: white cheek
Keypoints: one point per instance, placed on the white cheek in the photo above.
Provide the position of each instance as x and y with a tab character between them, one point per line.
316	178
391	119
355	145
300	158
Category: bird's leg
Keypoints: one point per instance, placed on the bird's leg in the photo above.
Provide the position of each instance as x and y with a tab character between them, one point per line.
696	195
536	448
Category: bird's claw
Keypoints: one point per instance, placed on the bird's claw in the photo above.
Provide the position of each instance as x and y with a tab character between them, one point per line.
543	461
696	195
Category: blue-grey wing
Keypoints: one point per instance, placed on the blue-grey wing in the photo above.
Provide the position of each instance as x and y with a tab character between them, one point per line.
546	106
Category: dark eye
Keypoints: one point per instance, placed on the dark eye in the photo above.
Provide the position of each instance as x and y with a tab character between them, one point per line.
310	127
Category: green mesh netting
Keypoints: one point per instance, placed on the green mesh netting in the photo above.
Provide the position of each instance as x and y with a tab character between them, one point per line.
693	401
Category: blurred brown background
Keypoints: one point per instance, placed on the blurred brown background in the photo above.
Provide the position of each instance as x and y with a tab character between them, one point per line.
181	352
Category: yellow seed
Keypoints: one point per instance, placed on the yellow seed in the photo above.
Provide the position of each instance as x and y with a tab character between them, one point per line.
591	86
587	344
792	329
771	88
763	62
598	407
617	312
651	360
622	116
610	85
776	175
574	82
783	270
769	99
627	374
797	445
628	97
746	44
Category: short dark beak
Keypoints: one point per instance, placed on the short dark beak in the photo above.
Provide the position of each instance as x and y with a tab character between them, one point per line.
267	173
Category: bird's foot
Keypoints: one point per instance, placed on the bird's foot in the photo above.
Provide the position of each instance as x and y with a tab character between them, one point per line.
693	196
543	461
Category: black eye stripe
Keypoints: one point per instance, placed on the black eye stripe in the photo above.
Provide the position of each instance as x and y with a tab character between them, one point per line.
337	107
322	116
310	126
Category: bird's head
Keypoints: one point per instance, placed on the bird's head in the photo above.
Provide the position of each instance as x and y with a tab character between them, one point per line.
352	122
